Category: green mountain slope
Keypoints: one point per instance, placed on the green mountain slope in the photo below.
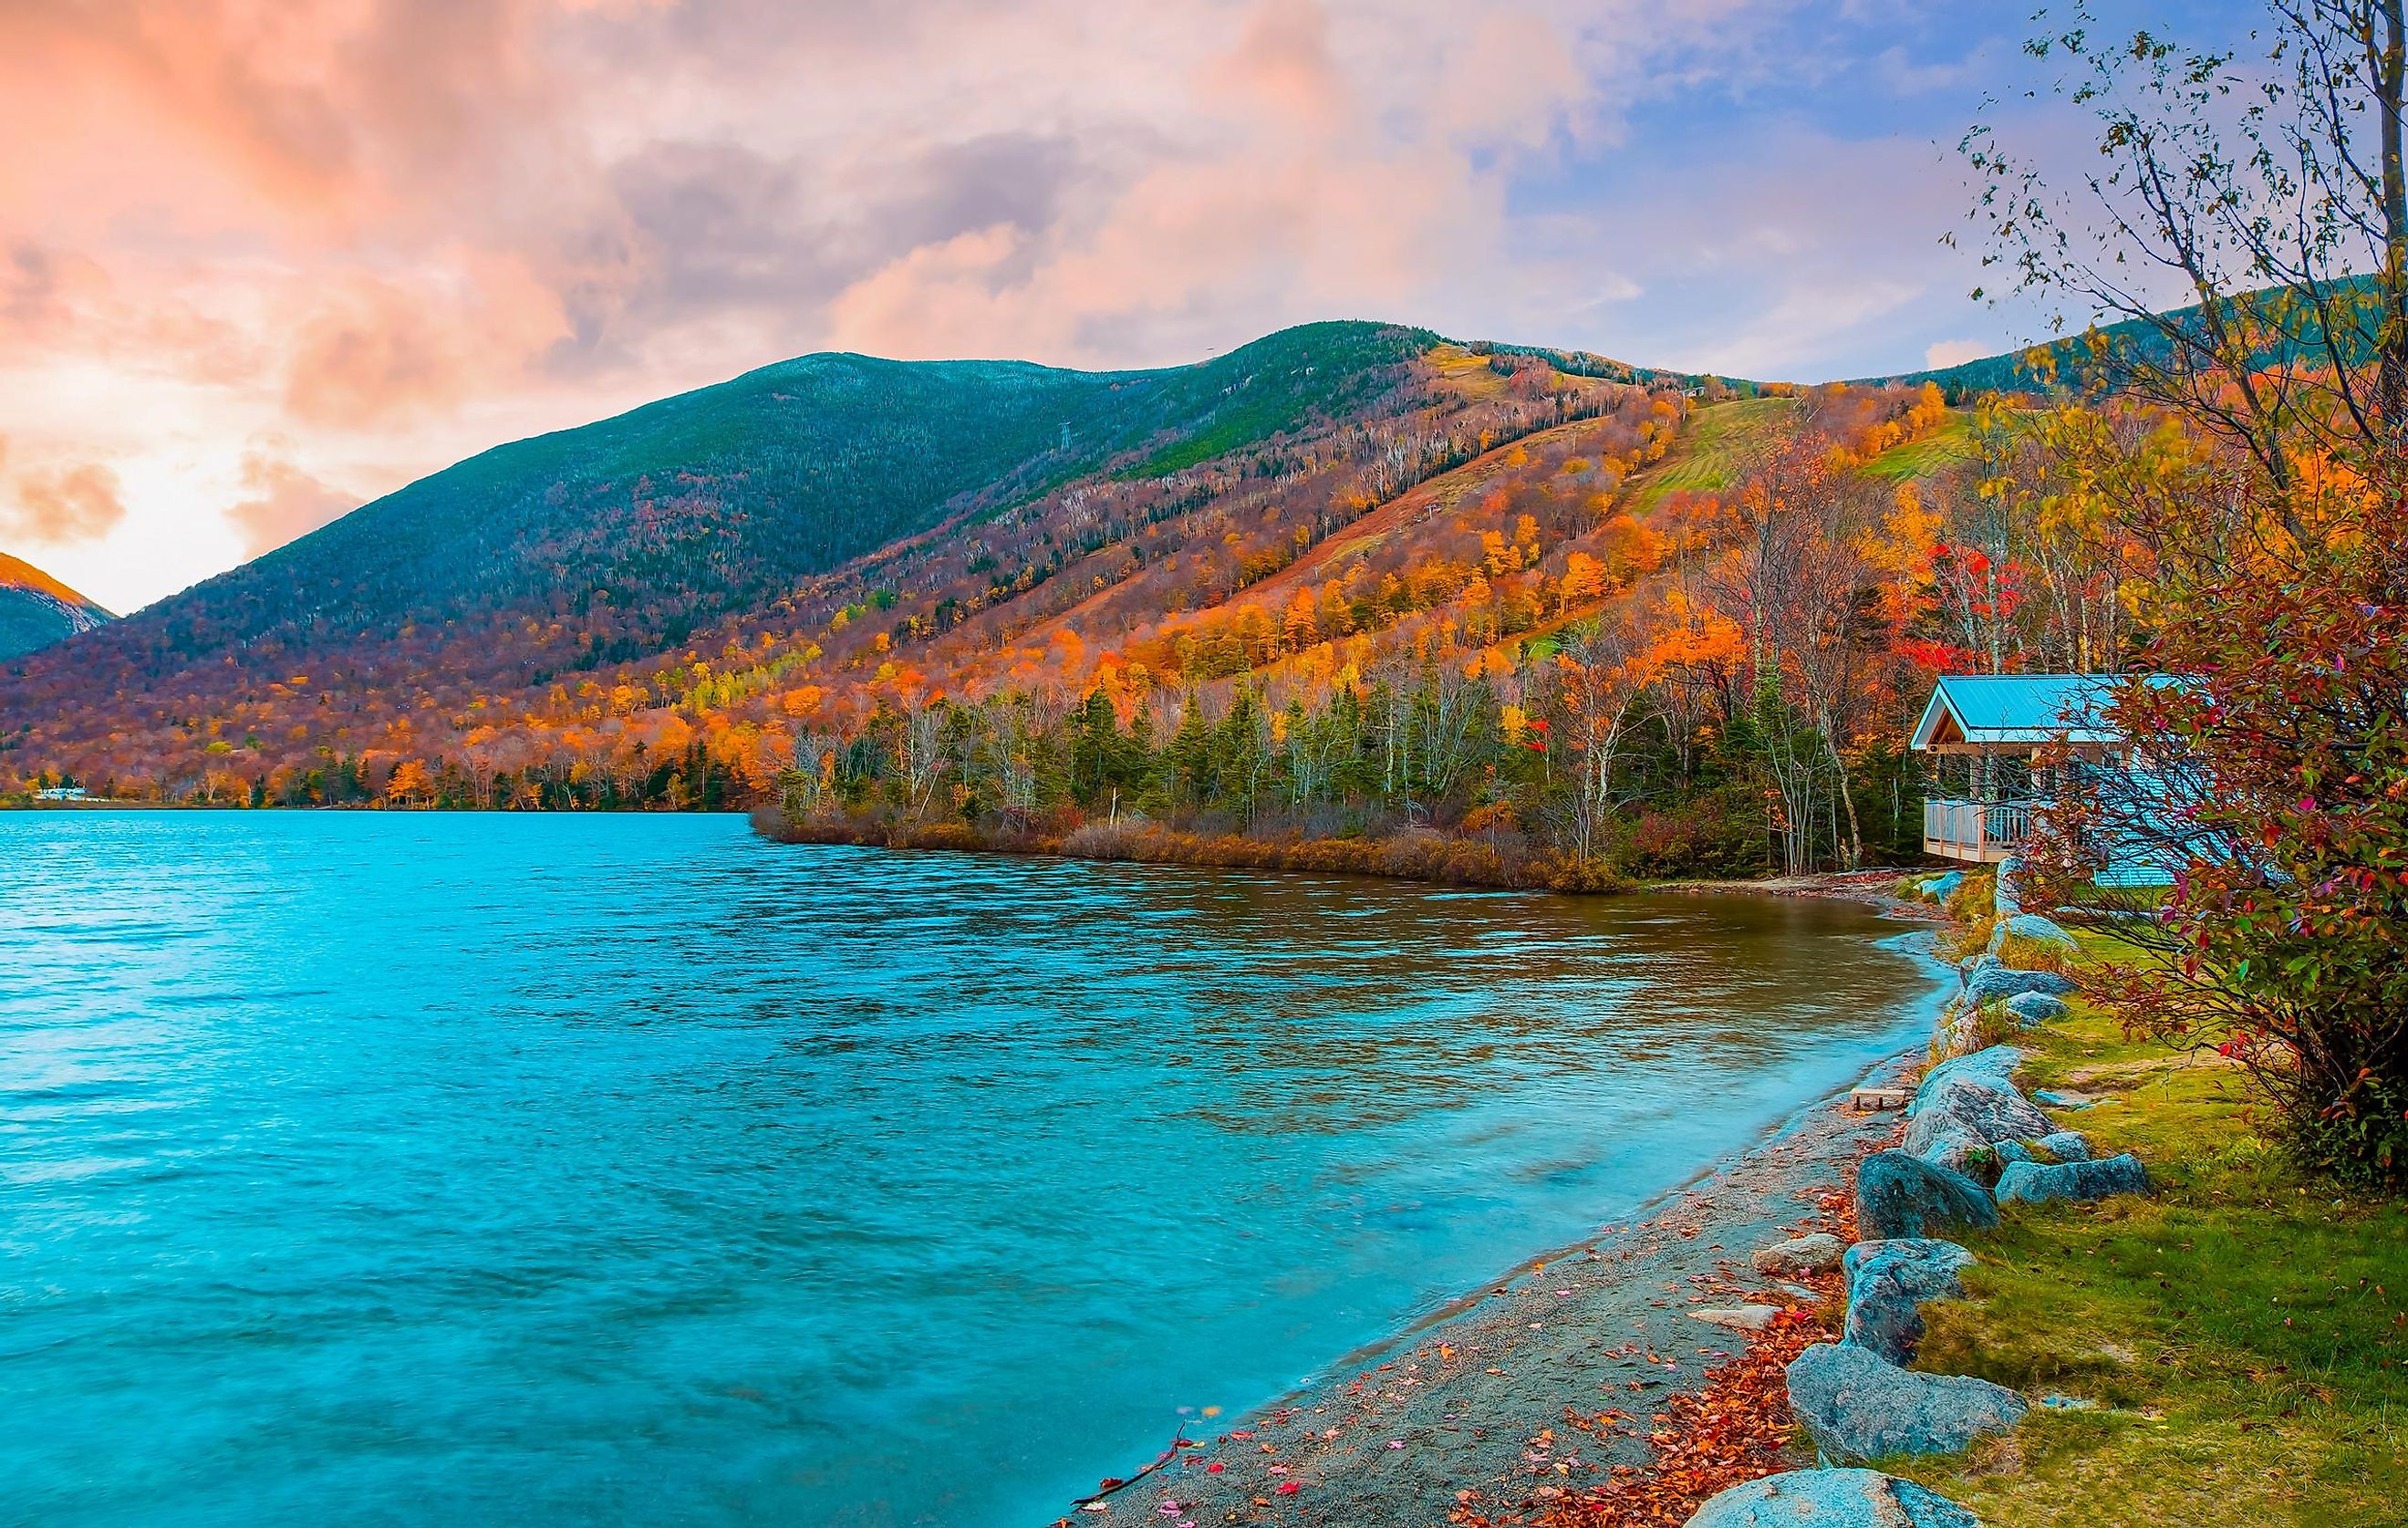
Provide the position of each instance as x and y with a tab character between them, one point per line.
2291	329
619	539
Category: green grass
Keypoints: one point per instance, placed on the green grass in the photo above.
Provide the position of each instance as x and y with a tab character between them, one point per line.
1712	453
2245	1334
1944	447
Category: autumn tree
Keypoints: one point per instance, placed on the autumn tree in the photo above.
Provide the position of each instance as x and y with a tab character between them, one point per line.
409	784
2273	191
1602	670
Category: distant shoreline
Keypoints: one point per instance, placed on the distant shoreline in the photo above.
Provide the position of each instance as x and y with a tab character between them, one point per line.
1417	855
1424	855
106	805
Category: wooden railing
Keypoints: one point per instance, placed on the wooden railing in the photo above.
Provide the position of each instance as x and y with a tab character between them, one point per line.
1977	832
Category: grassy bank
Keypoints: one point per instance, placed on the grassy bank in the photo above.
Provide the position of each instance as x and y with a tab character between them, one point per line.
2244	1334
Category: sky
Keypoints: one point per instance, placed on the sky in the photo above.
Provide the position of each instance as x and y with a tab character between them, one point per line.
262	261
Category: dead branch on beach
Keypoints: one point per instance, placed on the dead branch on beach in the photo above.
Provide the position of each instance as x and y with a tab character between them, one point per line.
1112	1485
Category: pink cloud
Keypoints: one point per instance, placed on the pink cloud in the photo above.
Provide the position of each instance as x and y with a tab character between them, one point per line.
77	503
391	232
372	349
1282	64
1948	353
289	503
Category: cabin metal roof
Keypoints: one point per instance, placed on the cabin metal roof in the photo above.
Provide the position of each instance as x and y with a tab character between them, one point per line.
2011	710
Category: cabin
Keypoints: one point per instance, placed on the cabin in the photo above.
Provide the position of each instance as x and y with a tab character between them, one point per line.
1984	729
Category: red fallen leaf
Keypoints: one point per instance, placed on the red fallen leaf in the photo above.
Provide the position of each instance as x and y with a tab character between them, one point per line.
1213	1468
1734	1429
1110	1482
1289	1488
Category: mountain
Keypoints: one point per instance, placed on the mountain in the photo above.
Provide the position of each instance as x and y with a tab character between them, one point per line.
797	548
37	610
2282	325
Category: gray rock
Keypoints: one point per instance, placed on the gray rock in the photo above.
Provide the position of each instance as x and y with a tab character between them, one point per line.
1944	885
1830	1499
1991	980
2013	1151
2066	1146
2011	886
1962	1097
1887	1284
1904	1250
1900	1194
1945	1144
1988	1114
1817	1253
2034	1183
2032	929
1996	1065
1858	1404
2031	1008
1739	1318
2048	1099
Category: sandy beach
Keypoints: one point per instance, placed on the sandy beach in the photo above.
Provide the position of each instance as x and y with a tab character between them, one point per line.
1464	1413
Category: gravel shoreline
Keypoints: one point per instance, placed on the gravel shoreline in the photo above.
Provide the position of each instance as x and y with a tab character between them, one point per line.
1472	1399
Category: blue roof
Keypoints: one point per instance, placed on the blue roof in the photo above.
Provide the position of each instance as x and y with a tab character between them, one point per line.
2019	708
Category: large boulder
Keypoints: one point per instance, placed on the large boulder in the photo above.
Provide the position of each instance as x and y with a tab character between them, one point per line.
1816	1253
1948	1144
2031	1008
1972	1096
1992	980
1996	1065
2031	929
1900	1194
1858	1404
1830	1499
1980	1109
1888	1282
2034	1183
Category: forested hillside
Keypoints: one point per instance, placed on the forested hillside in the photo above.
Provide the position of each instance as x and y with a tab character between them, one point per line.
594	546
1543	615
596	555
37	610
2273	327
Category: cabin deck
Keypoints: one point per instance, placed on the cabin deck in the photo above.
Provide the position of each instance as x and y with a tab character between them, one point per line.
1974	832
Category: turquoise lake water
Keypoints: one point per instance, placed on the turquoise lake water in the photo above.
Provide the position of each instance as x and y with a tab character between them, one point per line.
418	1169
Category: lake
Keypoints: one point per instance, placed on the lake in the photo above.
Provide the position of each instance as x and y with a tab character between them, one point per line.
434	1169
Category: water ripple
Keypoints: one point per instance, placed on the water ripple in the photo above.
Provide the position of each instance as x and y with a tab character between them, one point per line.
421	1169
